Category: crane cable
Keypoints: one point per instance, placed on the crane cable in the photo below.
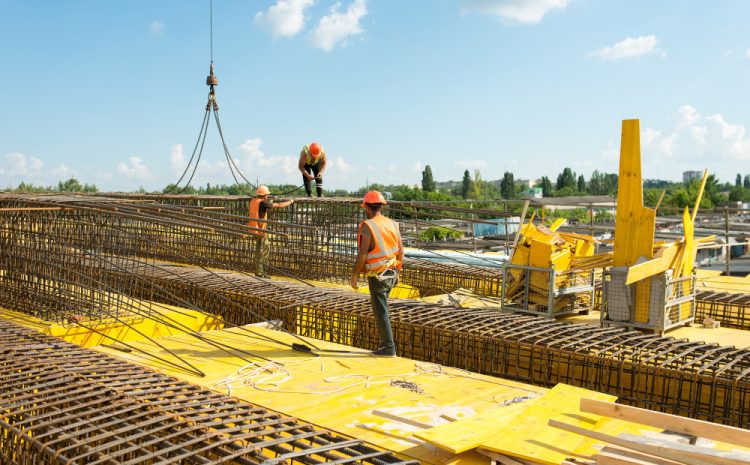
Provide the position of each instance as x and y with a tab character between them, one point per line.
211	107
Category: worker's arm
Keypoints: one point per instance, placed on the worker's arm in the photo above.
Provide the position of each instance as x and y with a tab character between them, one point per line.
322	164
400	253
359	263
283	204
301	166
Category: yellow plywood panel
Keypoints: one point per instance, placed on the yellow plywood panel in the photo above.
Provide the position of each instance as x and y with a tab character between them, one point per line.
557	224
540	254
634	223
339	391
561	260
127	328
470	433
531	438
647	269
642	299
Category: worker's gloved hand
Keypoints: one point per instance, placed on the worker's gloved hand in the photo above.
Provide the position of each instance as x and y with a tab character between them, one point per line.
308	176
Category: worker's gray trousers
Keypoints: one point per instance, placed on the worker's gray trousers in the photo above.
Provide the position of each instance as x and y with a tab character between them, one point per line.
379	291
262	249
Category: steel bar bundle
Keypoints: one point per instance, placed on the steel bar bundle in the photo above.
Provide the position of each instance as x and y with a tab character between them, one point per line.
60	403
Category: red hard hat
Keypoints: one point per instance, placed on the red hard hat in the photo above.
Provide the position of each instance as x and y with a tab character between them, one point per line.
315	149
373	197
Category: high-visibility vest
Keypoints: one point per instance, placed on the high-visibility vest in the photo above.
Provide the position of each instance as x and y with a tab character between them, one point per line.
254	214
386	237
309	159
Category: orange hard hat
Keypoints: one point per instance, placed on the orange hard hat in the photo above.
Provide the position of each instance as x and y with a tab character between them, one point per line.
315	149
373	197
262	190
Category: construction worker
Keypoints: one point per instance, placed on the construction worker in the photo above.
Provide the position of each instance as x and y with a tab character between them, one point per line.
259	206
381	253
312	164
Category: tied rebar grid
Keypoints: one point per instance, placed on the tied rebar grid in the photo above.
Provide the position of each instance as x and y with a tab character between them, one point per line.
60	403
732	310
327	251
314	238
693	379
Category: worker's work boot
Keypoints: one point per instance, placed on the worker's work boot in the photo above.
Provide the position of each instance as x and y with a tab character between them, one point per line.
385	352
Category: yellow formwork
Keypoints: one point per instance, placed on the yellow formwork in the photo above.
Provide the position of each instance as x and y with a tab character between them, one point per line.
340	391
128	329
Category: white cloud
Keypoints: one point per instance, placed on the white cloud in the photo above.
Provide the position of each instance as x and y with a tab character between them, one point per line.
275	169
335	28
341	165
18	164
64	172
177	159
417	167
392	168
156	28
135	169
693	142
521	11
629	48
284	19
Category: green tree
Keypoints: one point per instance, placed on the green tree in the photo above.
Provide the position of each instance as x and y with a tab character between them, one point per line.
73	185
739	194
746	181
546	187
476	185
738	181
508	186
466	185
566	179
581	184
428	183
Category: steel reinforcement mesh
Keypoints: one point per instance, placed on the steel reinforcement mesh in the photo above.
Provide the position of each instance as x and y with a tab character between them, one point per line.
85	258
732	310
315	238
676	376
60	403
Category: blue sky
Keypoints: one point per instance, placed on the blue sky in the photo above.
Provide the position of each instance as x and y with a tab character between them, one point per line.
113	92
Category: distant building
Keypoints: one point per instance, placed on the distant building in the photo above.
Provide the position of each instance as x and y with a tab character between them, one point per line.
532	193
688	176
527	183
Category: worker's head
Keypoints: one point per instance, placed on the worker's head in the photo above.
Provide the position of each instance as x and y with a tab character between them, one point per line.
262	190
315	149
373	200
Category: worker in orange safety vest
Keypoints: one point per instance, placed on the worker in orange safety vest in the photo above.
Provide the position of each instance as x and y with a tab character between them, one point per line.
380	256
258	213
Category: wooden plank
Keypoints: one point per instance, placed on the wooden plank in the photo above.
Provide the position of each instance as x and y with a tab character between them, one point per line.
529	437
690	455
699	428
647	269
606	458
469	433
622	451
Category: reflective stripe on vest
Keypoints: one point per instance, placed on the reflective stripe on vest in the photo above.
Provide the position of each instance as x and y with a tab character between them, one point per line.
254	215
385	235
309	159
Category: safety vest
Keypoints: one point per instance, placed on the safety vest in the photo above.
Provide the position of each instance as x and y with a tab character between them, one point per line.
254	215
309	159
386	236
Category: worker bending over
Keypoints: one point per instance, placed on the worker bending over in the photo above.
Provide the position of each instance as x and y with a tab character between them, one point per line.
312	164
380	256
259	206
